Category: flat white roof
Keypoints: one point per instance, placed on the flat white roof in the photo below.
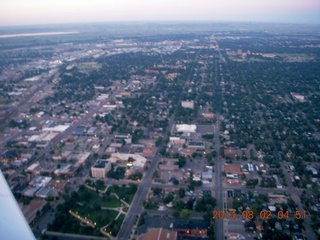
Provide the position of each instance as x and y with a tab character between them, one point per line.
186	127
83	157
139	160
59	128
32	167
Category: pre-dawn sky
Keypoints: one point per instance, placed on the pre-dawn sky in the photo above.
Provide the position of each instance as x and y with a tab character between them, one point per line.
21	12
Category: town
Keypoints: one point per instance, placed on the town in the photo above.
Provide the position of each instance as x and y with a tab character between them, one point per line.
170	131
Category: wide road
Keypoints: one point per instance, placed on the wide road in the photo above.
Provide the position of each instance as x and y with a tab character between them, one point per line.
136	206
218	185
143	188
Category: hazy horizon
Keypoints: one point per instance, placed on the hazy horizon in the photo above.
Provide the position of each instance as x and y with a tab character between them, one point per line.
35	12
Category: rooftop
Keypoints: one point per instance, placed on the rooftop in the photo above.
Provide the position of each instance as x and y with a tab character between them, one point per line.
100	164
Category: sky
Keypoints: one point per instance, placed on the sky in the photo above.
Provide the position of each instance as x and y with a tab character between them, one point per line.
25	12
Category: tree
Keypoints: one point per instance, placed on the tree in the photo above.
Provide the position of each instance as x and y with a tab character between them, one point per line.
182	161
168	198
159	141
252	183
185	213
157	191
100	184
176	214
210	232
182	192
175	181
206	203
178	205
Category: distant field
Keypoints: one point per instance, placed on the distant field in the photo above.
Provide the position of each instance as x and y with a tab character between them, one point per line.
89	66
35	34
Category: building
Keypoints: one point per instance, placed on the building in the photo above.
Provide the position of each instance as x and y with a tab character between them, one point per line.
312	169
249	167
230	152
78	160
168	164
148	151
8	156
278	181
233	169
208	115
196	145
187	152
135	161
298	97
187	104
80	130
30	210
100	169
186	227
176	141
127	138
207	176
40	181
92	130
125	94
186	128
159	234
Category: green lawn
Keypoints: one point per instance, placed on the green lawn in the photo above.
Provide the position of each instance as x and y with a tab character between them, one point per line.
87	203
87	196
114	227
125	193
101	218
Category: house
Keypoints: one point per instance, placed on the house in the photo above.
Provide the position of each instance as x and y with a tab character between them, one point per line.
208	115
196	145
298	97
277	197
230	152
159	234
207	176
92	130
176	140
148	151
125	94
187	104
187	152
312	170
278	181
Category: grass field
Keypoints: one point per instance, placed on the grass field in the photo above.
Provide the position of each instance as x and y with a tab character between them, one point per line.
88	204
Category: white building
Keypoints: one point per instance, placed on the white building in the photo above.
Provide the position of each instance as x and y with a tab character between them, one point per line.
186	128
187	104
100	169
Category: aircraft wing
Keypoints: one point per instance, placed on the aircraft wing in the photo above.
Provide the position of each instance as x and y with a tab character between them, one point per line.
13	224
